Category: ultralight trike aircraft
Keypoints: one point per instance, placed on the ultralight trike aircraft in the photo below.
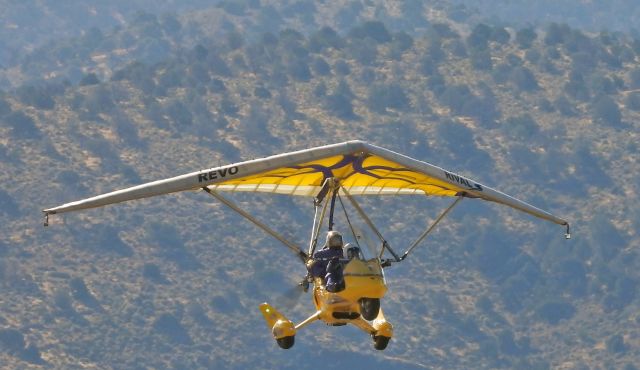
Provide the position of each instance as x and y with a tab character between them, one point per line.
326	174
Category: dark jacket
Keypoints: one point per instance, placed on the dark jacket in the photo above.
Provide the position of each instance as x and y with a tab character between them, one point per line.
322	258
328	266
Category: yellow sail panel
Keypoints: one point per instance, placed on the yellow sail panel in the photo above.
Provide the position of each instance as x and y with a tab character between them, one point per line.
378	175
361	174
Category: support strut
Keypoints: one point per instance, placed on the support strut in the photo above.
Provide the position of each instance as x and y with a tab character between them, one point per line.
265	228
317	224
333	206
426	232
368	221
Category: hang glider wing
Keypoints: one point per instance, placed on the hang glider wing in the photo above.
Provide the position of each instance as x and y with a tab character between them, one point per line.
362	169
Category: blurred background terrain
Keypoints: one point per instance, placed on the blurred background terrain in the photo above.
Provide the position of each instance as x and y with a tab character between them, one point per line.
540	100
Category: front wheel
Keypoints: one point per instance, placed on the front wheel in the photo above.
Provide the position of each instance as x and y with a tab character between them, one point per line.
286	342
369	308
380	342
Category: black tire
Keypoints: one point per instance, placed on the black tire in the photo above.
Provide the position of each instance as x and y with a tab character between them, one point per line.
369	308
286	342
380	342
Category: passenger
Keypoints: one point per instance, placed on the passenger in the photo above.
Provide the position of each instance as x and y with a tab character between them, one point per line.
326	263
353	252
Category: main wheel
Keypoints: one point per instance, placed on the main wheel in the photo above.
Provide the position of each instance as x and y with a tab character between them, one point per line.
369	308
380	342
286	342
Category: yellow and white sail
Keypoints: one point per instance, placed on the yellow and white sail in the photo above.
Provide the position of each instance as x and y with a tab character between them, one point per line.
361	168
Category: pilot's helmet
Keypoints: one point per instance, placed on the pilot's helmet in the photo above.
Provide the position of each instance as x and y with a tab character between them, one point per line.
334	239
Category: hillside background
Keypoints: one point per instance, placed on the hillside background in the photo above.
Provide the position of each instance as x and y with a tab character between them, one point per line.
539	102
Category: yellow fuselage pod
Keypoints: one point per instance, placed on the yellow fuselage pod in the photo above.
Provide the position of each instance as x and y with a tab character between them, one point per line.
363	279
280	326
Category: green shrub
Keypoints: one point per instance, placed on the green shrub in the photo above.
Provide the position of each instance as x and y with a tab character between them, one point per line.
321	67
606	110
633	101
526	37
500	35
556	34
374	30
555	311
325	38
523	79
22	126
481	60
478	39
89	79
5	107
523	127
634	78
381	97
36	96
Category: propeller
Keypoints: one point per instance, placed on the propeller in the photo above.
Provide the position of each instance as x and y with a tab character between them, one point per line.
290	298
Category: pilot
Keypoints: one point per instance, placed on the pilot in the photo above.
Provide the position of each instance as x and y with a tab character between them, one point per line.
326	263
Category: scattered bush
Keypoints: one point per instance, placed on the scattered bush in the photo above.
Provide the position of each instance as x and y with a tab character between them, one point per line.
615	344
634	78
170	245
606	110
342	68
564	106
340	106
5	108
556	34
364	51
321	67
481	60
89	79
262	92
217	65
170	327
602	84
500	35
576	87
526	37
11	341
22	126
299	70
98	100
179	113
555	311
382	97
152	272
523	127
479	37
139	74
367	76
234	40
374	30
320	90
633	101
523	79
401	42
327	37
624	292
8	206
36	96
443	31
583	63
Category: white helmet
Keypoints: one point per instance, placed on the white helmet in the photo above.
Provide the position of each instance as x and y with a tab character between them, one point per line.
334	239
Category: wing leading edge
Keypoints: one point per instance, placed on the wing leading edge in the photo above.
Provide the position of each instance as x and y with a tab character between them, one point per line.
362	168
